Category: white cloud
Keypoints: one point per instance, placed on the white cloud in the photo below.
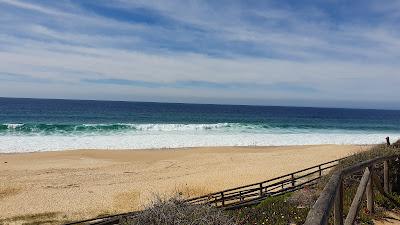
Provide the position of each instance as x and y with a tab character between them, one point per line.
346	62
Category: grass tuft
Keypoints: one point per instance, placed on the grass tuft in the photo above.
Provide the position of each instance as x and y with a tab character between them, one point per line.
7	192
32	219
174	211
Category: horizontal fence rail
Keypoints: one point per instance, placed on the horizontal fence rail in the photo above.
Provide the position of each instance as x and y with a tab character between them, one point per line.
104	220
331	198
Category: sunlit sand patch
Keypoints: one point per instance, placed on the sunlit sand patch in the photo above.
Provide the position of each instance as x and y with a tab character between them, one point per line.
127	201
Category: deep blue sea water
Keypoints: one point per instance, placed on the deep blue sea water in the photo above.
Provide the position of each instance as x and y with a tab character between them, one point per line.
42	124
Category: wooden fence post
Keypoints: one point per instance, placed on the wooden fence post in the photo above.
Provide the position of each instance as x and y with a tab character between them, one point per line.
386	176
223	199
320	170
261	191
293	180
355	204
338	210
370	191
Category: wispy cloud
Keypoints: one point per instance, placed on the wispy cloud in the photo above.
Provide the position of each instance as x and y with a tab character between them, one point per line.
196	84
313	50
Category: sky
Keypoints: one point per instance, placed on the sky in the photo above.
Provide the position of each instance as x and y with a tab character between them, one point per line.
328	53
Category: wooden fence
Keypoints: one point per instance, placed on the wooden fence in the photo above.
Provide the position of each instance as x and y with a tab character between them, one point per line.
254	193
331	198
244	195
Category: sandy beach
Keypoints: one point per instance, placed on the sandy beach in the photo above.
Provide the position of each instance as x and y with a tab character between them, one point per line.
71	185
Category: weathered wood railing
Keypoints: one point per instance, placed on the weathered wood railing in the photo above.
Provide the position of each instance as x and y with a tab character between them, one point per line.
331	198
254	193
244	195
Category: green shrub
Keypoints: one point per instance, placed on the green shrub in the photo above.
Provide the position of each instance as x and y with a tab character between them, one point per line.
382	201
274	210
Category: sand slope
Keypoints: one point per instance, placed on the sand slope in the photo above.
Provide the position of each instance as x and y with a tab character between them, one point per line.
85	183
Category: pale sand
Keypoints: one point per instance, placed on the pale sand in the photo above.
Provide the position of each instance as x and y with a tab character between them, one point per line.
85	183
391	218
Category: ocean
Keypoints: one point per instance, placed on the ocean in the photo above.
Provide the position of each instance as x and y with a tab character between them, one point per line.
28	125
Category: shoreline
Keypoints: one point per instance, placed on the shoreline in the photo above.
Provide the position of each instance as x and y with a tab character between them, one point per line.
79	184
185	148
173	140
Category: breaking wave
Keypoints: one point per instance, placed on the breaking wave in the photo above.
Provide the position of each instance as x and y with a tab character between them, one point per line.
78	129
25	137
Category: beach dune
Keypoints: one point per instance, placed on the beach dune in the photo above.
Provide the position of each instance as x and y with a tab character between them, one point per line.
72	185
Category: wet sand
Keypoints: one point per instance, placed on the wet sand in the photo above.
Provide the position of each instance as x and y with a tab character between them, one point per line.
71	185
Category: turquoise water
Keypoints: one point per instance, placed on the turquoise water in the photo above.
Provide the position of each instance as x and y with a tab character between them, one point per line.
39	124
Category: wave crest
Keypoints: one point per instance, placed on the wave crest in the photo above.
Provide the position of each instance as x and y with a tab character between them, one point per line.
71	129
120	127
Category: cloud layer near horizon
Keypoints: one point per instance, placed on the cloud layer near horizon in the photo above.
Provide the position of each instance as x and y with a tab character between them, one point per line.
320	53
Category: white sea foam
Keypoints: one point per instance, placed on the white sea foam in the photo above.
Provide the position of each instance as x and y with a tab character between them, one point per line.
181	127
21	143
13	125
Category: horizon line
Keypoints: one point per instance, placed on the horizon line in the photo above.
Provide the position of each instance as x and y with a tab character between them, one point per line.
197	103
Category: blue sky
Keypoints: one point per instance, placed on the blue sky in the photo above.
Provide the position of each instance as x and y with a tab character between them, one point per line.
304	53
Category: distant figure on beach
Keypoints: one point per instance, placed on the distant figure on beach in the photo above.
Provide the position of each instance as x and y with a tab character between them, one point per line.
387	141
